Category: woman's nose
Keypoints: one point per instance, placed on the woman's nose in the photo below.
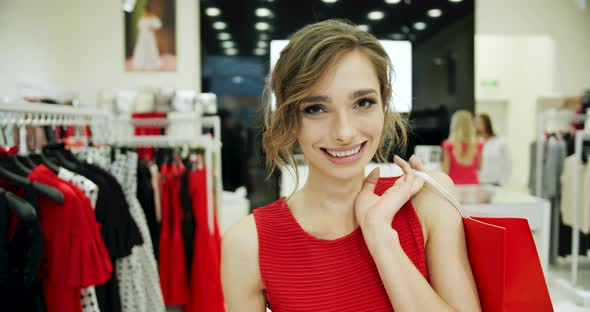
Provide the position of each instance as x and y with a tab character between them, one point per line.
344	128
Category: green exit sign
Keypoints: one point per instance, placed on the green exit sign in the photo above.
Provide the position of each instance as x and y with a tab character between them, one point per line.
489	83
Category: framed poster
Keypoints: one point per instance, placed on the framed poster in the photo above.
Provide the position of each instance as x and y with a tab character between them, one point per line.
150	36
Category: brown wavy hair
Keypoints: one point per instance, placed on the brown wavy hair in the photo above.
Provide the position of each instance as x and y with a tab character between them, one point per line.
311	52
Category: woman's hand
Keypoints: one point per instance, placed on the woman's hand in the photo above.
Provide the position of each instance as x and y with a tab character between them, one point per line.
374	211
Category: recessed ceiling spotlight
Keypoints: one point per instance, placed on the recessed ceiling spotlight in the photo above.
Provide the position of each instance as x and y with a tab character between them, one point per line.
219	25
212	11
455	1
237	79
363	27
262	44
434	13
420	25
392	1
223	36
376	15
263	12
231	51
406	29
259	51
228	44
264	37
262	26
397	36
329	1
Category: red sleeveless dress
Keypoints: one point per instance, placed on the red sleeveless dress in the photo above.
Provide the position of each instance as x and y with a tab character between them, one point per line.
304	273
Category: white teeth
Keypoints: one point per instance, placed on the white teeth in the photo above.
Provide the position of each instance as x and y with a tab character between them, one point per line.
344	153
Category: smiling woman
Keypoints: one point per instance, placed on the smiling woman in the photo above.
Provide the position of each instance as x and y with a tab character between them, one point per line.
344	242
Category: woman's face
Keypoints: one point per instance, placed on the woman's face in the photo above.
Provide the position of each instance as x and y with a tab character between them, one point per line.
342	119
479	126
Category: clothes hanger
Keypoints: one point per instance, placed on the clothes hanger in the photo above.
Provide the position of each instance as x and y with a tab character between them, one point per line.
56	150
26	161
39	188
19	206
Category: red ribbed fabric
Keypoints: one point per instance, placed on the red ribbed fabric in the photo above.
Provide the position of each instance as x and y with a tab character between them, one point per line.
305	273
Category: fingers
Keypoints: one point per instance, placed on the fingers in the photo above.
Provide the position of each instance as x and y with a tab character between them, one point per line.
371	181
409	182
416	164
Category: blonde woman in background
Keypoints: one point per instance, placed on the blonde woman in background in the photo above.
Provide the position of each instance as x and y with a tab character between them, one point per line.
462	150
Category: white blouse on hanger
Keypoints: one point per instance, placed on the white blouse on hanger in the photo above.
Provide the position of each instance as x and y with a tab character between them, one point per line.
567	194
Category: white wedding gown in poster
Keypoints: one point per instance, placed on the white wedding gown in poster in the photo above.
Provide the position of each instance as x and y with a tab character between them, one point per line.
145	54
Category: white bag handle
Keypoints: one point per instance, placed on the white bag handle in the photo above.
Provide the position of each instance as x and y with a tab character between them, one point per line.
442	190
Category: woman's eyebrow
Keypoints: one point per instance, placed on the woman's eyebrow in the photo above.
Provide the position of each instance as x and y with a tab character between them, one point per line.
323	98
361	92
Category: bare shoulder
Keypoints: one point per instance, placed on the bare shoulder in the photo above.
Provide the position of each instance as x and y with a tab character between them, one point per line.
432	208
239	248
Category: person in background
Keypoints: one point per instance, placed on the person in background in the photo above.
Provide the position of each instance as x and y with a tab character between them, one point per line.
462	151
496	162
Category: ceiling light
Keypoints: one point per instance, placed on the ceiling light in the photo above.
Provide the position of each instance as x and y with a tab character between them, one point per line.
262	44
264	37
329	1
212	11
397	36
420	25
219	25
406	29
228	44
456	1
237	79
392	1
262	26
259	51
376	15
128	5
363	27
223	36
434	13
263	12
231	51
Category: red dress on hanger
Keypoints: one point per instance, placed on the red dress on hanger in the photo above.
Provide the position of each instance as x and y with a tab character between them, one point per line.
75	255
172	265
206	291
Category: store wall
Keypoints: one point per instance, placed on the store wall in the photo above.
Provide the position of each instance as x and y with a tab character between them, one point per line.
566	24
79	46
524	50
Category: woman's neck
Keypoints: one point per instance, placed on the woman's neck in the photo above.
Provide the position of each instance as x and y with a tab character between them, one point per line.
327	200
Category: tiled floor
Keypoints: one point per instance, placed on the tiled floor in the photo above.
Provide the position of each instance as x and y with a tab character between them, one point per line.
563	301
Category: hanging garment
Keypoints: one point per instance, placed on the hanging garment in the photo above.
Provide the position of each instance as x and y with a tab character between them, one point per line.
119	230
75	255
146	197
21	254
496	163
172	264
88	295
568	183
206	291
305	273
138	274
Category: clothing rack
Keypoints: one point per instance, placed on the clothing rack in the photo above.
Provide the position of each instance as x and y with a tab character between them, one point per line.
571	285
23	113
581	136
108	129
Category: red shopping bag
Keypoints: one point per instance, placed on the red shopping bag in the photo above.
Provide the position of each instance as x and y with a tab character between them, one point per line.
504	261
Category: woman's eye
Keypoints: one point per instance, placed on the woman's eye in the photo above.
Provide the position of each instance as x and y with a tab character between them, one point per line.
313	109
365	103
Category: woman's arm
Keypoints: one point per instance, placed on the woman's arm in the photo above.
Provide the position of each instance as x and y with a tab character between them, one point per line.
452	286
240	272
